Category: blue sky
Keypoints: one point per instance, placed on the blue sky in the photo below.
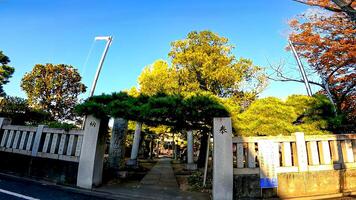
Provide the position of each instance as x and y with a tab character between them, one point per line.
59	31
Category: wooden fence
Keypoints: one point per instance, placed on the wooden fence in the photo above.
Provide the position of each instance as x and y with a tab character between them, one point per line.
297	153
42	142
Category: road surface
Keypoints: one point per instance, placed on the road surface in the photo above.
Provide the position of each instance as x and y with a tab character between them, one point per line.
13	189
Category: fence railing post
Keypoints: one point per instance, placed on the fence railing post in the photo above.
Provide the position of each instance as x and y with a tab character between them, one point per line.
36	142
222	162
4	121
301	152
92	155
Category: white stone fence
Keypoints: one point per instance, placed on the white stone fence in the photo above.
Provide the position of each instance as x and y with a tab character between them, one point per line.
41	141
297	153
85	147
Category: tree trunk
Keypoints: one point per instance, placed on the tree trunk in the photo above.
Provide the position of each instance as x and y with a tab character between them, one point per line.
202	150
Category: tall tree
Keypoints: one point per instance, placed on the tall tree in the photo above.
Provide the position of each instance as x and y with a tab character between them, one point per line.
53	88
327	41
204	62
5	72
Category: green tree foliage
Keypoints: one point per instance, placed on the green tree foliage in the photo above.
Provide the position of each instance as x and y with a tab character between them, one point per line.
194	112
204	61
158	78
18	110
272	116
54	88
5	72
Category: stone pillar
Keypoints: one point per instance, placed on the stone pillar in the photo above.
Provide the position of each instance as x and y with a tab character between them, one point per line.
190	151
92	154
157	147
4	121
135	144
222	161
301	151
151	148
117	144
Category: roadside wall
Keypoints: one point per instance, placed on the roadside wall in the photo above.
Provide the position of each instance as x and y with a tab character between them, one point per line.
298	184
56	171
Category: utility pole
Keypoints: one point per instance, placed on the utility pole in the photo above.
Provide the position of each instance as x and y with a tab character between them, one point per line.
301	69
108	40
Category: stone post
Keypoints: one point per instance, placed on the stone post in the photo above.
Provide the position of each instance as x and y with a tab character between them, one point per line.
222	161
301	151
117	144
36	142
190	151
135	144
4	121
92	154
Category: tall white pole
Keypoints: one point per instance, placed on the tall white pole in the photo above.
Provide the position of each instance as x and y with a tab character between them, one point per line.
206	161
301	68
108	43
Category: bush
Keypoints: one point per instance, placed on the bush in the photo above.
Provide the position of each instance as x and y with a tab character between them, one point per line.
299	113
61	125
195	181
18	110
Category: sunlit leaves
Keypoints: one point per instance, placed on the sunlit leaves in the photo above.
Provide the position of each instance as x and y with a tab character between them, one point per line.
204	61
53	88
272	116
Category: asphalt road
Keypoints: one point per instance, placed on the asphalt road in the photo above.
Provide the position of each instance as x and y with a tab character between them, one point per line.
11	189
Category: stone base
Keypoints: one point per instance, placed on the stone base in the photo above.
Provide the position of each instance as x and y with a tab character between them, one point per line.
132	163
191	166
122	174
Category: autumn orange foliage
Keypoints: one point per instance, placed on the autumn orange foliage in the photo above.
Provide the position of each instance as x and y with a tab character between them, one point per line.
345	6
327	41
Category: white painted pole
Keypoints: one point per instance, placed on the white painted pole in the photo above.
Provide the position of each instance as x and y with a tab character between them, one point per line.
301	68
206	161
109	40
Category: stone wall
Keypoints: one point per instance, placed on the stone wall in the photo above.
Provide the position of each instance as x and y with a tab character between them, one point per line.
47	169
298	184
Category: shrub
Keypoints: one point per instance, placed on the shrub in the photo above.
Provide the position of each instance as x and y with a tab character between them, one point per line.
272	116
20	113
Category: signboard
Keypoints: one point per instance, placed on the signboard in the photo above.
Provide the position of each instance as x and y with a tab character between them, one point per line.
268	156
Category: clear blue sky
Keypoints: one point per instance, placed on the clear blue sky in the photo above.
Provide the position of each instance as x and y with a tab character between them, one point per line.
58	31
